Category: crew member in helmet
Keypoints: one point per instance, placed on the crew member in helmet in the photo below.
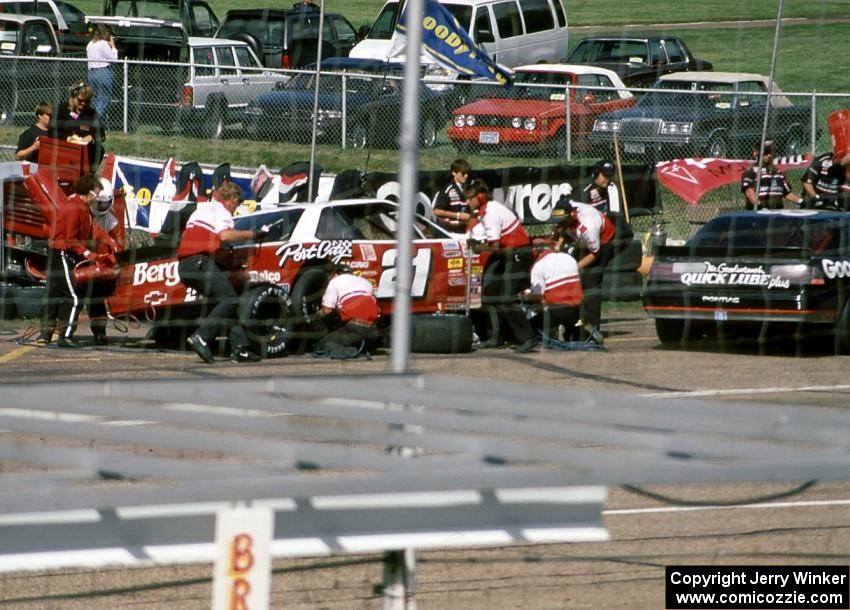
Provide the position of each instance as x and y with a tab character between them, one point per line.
74	237
591	233
101	208
596	192
352	299
771	188
496	229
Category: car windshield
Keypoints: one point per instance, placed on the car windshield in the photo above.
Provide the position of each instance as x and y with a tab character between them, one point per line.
332	83
155	10
765	232
70	13
541	78
705	93
384	25
609	51
370	221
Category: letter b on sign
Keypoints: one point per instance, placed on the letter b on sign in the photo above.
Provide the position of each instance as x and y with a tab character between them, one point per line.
242	573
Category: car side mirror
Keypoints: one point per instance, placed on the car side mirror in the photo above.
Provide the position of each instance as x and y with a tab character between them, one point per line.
484	36
44	49
362	32
743	103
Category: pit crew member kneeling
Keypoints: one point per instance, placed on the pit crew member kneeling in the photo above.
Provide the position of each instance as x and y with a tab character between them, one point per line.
208	226
351	298
555	292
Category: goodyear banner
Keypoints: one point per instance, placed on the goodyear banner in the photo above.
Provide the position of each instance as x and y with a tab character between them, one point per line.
448	43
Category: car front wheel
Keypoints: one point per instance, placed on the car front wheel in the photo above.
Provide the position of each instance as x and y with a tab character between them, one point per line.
427	133
717	148
357	136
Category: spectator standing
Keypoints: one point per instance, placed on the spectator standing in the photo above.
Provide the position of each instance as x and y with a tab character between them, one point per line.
28	143
450	208
208	227
100	51
556	284
497	230
772	188
74	237
352	298
592	234
824	179
79	122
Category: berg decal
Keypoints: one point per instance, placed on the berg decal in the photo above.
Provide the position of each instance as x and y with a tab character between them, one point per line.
159	272
835	269
334	249
734	275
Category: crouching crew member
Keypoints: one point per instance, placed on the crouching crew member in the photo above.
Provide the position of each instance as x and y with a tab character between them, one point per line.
74	237
498	230
826	182
351	297
208	226
555	283
592	233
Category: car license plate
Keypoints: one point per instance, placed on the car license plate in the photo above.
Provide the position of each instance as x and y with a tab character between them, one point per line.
634	149
488	137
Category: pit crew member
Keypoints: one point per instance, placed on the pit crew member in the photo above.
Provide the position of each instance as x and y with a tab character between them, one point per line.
773	187
352	298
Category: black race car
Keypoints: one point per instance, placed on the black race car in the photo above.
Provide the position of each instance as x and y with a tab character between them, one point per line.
766	274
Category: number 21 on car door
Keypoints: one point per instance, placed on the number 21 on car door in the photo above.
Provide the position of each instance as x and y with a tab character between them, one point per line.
421	271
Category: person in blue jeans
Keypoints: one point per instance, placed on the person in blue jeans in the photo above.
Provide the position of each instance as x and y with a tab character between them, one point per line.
100	50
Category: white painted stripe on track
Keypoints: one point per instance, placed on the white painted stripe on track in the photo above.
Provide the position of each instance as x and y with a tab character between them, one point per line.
747	391
687	509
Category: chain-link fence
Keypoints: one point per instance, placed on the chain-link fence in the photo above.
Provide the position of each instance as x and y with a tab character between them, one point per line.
268	116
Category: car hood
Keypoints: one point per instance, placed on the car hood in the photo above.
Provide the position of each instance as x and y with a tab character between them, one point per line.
667	113
499	107
371	48
298	99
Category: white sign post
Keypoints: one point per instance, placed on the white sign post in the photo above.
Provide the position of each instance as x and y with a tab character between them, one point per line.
242	572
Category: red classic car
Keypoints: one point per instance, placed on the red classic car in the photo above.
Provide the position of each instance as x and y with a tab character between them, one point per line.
533	113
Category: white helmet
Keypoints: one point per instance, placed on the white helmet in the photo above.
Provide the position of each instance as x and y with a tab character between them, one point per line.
102	204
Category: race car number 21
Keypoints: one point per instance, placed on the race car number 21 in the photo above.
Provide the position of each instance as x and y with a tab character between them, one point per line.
421	270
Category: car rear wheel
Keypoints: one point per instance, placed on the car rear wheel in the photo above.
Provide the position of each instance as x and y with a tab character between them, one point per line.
357	136
673	333
264	314
717	148
214	122
427	133
793	144
8	104
842	330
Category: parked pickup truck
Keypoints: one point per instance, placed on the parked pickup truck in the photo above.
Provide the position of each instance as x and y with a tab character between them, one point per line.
638	61
67	20
704	114
28	72
197	17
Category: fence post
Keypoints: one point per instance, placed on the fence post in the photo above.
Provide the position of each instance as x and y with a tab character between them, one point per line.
126	95
814	131
344	108
569	126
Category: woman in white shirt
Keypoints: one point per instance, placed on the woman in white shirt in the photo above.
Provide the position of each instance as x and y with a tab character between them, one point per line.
99	51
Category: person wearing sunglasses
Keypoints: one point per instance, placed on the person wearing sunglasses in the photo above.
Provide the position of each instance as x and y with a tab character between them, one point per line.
79	122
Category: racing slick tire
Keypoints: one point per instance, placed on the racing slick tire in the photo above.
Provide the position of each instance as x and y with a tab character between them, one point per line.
673	333
306	299
263	313
8	310
441	334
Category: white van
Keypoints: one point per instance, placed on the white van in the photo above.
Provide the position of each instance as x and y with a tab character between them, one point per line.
512	32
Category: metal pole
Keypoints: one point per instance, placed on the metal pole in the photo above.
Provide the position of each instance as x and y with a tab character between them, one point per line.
310	194
344	108
399	580
814	127
569	126
769	93
407	177
126	95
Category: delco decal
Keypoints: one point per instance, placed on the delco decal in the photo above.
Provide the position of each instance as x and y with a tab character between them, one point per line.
835	269
733	275
159	272
272	277
334	249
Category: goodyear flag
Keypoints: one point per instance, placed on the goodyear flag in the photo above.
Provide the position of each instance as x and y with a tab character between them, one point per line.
448	43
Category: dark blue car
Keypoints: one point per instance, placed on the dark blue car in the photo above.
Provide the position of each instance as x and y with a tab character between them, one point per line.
369	97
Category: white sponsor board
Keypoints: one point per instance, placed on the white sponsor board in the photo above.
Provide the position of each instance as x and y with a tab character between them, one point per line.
242	571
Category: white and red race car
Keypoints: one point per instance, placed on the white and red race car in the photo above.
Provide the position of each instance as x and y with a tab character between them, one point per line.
281	280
